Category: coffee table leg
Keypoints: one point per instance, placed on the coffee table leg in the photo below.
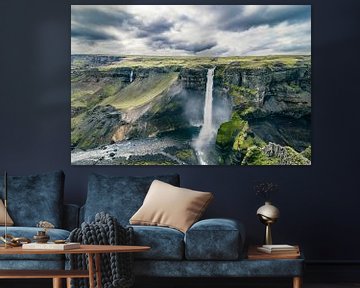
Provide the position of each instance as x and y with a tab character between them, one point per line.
91	270
297	282
98	270
57	283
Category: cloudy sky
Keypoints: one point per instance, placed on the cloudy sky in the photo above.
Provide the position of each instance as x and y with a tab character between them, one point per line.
221	30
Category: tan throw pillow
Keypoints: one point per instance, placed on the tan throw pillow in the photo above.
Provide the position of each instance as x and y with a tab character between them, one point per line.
170	206
10	222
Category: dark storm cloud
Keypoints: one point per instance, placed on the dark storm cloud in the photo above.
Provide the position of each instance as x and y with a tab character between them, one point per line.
154	28
90	34
158	26
195	47
92	24
162	42
159	42
296	48
235	18
96	17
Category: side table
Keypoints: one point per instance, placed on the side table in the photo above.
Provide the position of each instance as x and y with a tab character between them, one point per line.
92	251
254	255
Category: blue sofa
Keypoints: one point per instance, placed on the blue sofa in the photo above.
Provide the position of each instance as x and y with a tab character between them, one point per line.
210	248
32	199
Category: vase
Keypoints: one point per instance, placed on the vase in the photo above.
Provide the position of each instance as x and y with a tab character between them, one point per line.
41	237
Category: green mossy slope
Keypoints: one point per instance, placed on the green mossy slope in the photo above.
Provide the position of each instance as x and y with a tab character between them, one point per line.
141	91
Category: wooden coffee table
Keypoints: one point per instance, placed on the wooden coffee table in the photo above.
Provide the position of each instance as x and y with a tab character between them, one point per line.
92	251
255	255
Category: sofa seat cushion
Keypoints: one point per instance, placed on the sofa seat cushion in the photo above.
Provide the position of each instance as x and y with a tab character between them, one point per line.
35	198
119	196
29	232
214	239
166	243
213	269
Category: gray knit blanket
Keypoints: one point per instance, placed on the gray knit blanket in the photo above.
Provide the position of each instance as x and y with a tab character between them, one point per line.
116	268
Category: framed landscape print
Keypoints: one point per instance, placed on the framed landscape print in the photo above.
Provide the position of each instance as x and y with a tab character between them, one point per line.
191	85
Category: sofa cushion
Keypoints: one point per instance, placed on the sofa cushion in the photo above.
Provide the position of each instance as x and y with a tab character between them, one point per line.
214	239
165	243
29	232
169	206
35	198
9	221
119	196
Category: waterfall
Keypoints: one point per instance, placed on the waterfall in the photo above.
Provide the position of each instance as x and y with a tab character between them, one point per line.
207	131
131	75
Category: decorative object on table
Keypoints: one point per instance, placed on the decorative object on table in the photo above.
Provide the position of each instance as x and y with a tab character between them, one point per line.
116	268
51	246
11	241
41	236
268	213
59	241
255	254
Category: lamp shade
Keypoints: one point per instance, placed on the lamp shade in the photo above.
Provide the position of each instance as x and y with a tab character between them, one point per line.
269	211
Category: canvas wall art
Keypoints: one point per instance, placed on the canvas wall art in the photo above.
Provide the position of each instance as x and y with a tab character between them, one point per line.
191	85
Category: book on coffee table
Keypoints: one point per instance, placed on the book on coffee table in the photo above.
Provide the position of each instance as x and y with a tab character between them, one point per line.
51	246
255	254
276	249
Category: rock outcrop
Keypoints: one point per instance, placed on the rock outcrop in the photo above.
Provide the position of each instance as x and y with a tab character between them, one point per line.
95	127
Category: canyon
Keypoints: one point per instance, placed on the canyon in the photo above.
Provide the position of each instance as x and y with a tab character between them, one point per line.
146	110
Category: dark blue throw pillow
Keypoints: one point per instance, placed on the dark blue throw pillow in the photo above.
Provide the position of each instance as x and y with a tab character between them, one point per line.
121	197
35	198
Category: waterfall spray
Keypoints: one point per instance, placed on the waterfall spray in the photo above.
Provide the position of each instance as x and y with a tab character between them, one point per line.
131	76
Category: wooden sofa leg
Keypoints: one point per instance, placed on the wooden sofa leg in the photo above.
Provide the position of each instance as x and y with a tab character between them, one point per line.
57	283
297	282
68	282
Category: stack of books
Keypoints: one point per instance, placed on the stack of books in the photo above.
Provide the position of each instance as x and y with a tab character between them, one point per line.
273	252
279	249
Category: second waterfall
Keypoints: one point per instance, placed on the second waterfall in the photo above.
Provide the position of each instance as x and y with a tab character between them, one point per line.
207	132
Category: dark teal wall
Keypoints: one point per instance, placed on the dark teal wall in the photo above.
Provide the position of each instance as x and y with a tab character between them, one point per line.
318	203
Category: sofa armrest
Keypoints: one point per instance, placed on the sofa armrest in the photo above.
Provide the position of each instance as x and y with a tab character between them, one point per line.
215	239
71	216
81	214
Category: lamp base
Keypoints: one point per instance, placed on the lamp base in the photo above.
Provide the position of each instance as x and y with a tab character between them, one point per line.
268	237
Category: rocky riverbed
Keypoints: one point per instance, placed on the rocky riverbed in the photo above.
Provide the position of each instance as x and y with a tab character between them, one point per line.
151	151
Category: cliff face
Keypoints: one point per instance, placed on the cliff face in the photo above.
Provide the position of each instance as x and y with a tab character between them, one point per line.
194	78
255	103
276	90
